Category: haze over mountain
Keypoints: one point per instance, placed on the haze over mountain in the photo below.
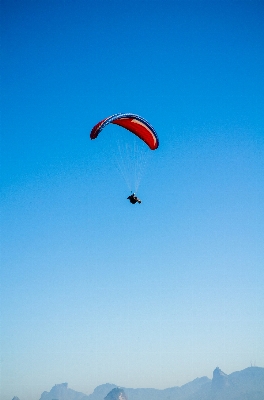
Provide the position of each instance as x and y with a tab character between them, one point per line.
247	384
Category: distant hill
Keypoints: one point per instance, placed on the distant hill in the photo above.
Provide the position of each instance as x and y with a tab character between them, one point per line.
116	394
174	393
100	392
247	384
243	385
62	392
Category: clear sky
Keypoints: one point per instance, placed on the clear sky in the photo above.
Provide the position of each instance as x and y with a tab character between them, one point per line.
94	289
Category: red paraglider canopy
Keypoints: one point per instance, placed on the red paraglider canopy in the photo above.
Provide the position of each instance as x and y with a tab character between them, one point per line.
132	122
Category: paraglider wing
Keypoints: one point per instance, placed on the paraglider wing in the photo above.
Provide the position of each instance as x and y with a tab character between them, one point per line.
132	122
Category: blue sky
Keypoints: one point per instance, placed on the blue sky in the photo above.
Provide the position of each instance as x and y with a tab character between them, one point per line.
93	289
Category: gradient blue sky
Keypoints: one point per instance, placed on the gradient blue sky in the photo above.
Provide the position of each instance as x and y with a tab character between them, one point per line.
93	289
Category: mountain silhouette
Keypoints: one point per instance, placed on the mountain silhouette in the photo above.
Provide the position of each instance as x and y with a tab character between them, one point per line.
247	384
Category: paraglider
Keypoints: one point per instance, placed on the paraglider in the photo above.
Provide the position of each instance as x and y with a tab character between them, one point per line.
139	127
132	122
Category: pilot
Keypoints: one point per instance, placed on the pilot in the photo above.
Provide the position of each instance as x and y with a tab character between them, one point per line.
133	199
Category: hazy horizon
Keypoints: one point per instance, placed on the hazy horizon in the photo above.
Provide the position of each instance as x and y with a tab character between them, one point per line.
94	289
